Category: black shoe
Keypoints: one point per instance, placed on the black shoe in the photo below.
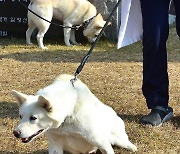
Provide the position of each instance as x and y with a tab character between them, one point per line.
157	116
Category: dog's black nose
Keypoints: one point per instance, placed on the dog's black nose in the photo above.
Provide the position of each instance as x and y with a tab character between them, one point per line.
17	133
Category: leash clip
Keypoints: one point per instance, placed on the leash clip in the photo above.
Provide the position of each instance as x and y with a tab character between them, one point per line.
74	79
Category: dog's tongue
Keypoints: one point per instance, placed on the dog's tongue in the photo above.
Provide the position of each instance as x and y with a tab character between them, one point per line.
27	139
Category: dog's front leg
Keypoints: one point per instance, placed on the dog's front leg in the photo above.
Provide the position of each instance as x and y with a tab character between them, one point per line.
105	148
54	147
72	37
67	33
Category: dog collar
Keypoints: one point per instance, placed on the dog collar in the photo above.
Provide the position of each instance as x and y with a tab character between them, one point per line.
86	23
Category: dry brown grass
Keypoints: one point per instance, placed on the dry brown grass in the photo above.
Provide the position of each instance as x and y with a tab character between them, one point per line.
114	76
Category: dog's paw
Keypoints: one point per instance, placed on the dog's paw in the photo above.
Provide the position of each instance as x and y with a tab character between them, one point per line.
69	45
44	48
77	44
133	148
29	43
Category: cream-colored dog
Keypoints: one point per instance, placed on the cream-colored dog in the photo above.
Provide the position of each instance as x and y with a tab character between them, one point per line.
71	12
73	119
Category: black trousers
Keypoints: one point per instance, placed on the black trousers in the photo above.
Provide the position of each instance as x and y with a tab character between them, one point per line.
177	9
155	85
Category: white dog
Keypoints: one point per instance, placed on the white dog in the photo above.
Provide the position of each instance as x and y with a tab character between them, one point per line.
73	119
71	12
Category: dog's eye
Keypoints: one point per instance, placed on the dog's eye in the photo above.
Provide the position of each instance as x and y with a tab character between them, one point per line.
20	116
32	118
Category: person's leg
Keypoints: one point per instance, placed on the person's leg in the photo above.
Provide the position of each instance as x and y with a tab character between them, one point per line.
177	9
155	76
155	34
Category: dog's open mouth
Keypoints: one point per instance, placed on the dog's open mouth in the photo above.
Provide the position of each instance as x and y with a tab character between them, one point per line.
28	139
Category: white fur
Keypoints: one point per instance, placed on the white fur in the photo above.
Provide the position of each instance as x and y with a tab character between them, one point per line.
71	12
73	119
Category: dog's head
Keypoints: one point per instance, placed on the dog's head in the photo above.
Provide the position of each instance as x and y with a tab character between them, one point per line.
34	119
40	112
94	28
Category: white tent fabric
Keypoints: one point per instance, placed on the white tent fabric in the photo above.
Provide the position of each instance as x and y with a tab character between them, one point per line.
131	23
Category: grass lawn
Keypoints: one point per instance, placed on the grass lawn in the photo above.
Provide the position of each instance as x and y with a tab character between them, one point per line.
114	76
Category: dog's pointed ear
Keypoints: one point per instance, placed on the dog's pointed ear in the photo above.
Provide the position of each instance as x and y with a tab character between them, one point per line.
20	97
102	21
99	16
44	103
101	25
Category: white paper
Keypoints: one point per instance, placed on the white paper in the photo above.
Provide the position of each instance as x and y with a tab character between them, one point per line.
131	23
